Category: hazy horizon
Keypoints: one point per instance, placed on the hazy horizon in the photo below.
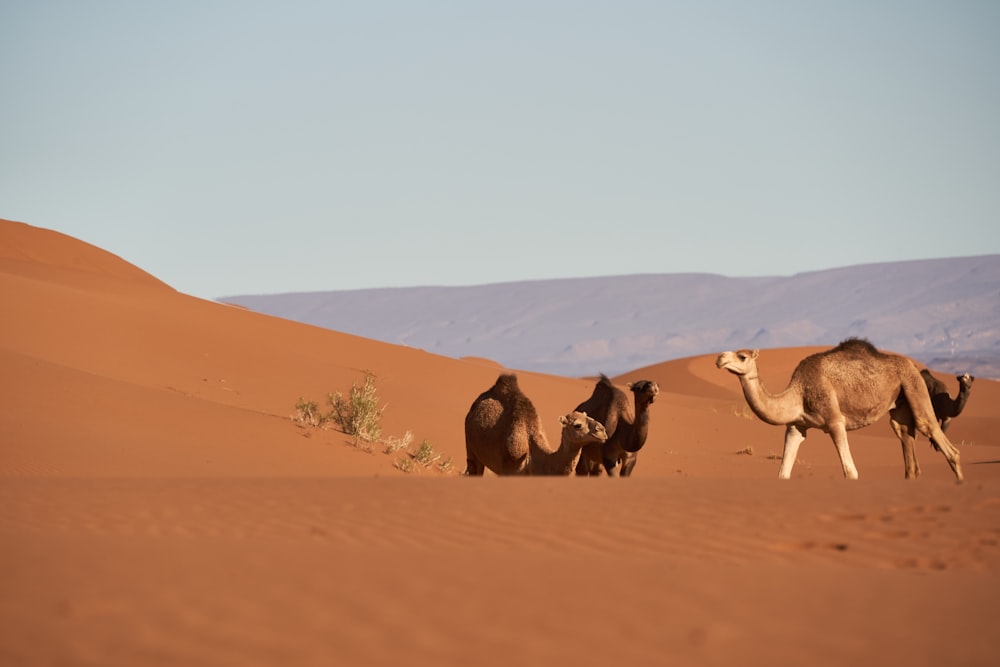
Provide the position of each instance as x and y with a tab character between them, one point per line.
235	149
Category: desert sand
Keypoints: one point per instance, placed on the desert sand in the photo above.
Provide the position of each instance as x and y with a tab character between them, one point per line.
160	506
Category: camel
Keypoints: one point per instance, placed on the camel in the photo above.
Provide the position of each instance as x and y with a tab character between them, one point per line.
627	431
503	433
945	409
839	390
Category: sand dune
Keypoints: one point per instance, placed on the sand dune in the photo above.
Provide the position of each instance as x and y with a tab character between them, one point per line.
158	506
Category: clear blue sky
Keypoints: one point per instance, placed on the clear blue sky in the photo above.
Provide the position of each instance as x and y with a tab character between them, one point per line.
234	147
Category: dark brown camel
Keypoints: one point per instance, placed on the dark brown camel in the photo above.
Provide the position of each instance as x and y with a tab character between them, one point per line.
627	429
503	433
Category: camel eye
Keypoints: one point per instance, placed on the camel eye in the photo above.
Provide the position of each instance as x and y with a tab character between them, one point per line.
742	357
578	426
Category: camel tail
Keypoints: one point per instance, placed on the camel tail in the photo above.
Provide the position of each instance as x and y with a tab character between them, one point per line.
924	419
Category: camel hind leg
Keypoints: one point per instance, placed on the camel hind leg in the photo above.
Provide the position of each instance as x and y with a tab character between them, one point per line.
943	445
926	422
901	420
839	434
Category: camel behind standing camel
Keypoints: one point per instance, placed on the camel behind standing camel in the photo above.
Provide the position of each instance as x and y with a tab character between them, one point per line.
503	433
627	430
839	390
945	407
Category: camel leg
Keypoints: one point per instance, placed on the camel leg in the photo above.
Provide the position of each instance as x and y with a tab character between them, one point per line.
793	438
473	468
611	465
901	420
628	464
943	445
839	435
927	424
905	433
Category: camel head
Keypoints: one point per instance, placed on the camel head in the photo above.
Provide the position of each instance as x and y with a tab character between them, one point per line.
577	426
740	362
644	390
965	380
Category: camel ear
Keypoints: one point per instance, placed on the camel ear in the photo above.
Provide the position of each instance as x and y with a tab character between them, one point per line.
563	420
628	385
753	355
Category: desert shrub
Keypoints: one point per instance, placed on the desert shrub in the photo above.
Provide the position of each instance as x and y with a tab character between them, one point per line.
404	463
425	454
307	412
359	414
393	445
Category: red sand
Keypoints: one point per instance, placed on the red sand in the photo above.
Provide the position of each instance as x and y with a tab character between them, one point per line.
159	507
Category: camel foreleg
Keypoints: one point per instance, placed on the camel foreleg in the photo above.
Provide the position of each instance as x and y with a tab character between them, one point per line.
793	438
628	463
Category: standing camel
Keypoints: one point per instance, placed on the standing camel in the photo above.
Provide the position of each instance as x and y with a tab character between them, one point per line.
627	430
836	391
945	407
503	433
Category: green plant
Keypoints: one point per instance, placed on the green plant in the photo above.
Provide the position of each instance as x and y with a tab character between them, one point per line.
425	454
307	412
359	414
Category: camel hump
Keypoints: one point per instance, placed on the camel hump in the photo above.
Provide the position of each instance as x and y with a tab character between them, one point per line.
933	384
507	384
862	345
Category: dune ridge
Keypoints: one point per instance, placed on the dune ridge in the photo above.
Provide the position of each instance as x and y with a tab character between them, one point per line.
158	506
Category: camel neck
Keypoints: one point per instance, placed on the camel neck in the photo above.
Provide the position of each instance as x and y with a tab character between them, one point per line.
783	408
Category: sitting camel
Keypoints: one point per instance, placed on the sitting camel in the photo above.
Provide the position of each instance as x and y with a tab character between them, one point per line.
503	433
627	432
839	390
945	407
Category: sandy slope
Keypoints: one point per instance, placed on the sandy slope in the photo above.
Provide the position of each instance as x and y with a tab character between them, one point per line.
158	507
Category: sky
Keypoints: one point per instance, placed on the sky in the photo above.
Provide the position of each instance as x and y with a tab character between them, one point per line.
242	147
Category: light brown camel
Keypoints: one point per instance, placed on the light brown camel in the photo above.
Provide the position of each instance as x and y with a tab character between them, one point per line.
627	430
839	390
503	433
945	409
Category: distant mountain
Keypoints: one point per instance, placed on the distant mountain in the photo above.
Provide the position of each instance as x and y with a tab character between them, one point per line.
943	312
